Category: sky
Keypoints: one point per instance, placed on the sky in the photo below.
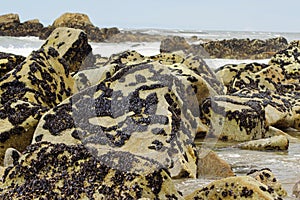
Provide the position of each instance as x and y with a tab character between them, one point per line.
231	15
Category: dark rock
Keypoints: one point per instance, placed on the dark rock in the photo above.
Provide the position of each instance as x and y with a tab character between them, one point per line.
230	49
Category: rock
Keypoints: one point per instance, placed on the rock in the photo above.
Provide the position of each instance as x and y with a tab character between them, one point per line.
9	18
177	43
240	187
266	177
232	118
57	170
10	25
8	62
210	165
128	36
147	106
80	21
244	48
11	157
230	49
72	20
39	83
173	44
276	143
229	73
296	190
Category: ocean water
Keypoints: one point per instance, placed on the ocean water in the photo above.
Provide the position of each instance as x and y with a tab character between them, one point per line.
285	165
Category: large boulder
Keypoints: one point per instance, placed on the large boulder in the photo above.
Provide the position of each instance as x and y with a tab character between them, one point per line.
39	83
72	19
71	172
148	106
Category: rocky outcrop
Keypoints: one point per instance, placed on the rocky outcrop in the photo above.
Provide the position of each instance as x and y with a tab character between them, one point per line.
72	172
245	48
80	21
72	19
229	49
240	187
10	25
41	82
276	143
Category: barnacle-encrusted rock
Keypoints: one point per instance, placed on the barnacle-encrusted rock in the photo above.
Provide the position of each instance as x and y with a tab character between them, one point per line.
148	106
266	177
41	82
71	172
240	187
8	62
276	143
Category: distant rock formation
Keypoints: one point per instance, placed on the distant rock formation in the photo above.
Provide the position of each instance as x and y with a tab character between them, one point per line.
10	25
230	49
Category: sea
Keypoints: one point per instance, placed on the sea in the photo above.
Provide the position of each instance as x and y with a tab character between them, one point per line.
285	165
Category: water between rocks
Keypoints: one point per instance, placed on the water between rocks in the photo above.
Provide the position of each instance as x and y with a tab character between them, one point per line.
284	165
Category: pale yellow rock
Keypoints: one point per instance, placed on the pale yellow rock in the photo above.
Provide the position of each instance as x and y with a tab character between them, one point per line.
276	143
68	19
9	18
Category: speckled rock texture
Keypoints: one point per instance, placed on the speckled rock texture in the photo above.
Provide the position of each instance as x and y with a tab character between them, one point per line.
70	172
240	187
40	82
266	177
8	62
147	106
